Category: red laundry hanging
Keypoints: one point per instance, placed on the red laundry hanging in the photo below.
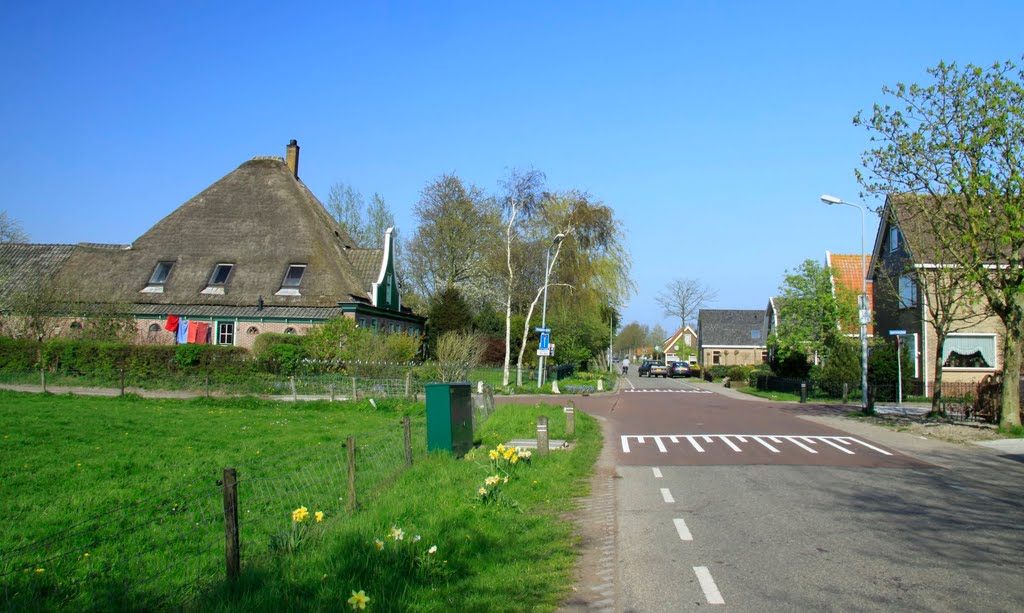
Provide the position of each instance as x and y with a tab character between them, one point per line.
202	333
172	323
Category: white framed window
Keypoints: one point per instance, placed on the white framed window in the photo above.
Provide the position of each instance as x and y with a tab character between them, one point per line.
716	357
976	351
388	289
894	238
225	333
908	292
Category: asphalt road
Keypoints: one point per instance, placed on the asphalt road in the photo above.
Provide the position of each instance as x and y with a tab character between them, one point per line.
840	517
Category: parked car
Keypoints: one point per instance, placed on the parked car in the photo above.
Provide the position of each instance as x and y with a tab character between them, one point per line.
644	369
694	368
679	369
658	369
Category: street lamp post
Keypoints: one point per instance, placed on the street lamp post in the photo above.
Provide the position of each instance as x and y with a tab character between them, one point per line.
864	311
544	309
611	336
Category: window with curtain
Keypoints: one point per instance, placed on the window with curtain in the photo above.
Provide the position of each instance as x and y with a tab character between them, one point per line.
969	351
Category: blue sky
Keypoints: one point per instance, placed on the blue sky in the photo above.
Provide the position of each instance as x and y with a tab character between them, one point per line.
710	127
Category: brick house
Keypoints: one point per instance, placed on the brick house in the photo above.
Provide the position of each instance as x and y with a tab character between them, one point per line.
685	339
255	252
903	258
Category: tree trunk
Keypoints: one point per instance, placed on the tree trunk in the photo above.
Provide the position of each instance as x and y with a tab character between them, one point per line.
940	338
508	339
1011	378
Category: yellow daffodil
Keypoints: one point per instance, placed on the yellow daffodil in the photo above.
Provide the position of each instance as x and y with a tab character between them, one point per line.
514	459
526	455
300	514
379	543
490	481
40	570
359	600
397	533
432	550
494	455
505	480
319	515
482	491
500	448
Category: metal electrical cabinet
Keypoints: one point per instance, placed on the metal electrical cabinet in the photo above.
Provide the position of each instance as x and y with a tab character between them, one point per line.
449	417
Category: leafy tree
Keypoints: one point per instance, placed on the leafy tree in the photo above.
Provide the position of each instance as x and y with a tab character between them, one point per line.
683	298
448	313
364	223
594	259
454	241
957	145
809	315
633	336
10	230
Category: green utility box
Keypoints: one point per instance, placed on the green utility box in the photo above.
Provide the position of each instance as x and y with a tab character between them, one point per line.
449	417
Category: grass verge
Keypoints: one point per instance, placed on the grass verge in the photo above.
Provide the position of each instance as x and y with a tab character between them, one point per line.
126	489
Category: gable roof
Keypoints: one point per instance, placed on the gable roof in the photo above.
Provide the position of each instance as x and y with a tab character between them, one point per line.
260	218
846	271
26	267
731	327
675	338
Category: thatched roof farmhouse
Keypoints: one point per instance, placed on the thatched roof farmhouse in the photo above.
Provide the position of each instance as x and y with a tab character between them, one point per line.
254	252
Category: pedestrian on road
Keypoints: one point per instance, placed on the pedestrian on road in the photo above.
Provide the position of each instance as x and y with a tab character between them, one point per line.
625	366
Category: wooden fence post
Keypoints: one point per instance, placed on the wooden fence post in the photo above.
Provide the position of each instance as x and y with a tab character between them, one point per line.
122	381
291	383
542	436
355	395
231	550
408	384
570	420
351	448
846	392
407	427
330	389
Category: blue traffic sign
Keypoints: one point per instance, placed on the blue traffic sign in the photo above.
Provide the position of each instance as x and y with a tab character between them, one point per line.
542	329
545	338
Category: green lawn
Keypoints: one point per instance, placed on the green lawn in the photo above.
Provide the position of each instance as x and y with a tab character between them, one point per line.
126	490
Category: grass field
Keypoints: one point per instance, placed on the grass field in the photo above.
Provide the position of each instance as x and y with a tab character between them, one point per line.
125	490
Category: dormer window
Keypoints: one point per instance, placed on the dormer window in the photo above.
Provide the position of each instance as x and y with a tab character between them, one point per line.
220	275
160	273
158	278
292	280
294	275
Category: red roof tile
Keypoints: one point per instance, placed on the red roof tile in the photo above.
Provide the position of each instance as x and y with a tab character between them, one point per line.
847	271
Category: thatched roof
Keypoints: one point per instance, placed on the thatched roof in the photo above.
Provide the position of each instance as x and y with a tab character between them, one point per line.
26	268
261	219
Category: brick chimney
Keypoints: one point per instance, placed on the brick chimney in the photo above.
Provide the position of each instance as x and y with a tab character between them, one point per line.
292	157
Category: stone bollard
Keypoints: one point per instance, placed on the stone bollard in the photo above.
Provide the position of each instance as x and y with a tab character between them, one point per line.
803	391
570	420
554	387
600	385
479	387
542	436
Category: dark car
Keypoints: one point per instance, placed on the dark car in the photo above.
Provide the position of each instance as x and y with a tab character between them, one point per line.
657	369
644	369
679	369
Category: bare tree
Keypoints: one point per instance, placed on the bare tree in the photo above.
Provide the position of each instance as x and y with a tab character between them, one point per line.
683	298
10	230
521	198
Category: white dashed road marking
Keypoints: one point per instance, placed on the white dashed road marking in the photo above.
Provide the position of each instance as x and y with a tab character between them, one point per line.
684	532
707	583
662	391
667	495
657	472
733	441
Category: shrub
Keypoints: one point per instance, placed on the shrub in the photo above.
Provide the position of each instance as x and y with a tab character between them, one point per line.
717	371
740	372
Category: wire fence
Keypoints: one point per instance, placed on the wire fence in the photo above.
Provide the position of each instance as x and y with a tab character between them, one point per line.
163	551
373	380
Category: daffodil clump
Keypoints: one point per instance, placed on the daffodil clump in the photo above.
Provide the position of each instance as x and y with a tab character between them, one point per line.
359	600
503	463
399	548
300	529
